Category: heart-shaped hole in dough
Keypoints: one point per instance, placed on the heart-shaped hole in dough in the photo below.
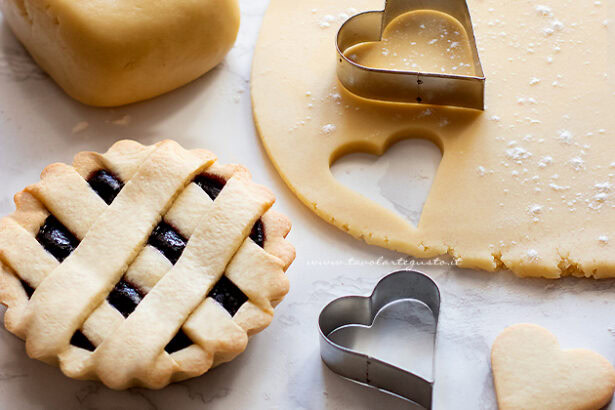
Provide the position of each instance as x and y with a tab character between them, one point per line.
424	40
531	371
402	334
399	180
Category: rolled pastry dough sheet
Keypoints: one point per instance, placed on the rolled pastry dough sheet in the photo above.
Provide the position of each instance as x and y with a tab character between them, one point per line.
527	185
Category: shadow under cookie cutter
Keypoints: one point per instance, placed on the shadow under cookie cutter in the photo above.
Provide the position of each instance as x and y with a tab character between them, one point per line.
362	310
408	86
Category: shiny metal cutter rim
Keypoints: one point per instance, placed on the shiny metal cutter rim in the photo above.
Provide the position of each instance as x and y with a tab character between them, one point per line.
408	86
362	310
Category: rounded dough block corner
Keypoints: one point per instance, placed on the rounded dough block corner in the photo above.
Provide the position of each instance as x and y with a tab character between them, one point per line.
115	53
527	185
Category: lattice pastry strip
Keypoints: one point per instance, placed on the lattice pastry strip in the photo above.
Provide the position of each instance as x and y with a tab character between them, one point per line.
103	317
193	198
212	332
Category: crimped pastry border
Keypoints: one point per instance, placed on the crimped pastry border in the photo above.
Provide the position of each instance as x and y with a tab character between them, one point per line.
30	213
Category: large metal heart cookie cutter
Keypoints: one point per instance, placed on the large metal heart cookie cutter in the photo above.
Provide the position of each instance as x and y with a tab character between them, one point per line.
362	310
408	86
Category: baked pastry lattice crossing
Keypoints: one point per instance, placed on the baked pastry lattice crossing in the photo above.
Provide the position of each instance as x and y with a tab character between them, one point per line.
143	265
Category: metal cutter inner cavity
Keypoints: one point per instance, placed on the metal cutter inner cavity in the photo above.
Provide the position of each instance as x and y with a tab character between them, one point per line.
360	310
408	86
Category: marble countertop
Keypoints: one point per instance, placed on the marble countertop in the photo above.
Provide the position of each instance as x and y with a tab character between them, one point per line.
281	368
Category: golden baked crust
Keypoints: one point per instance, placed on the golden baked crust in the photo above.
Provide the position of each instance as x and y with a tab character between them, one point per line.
72	296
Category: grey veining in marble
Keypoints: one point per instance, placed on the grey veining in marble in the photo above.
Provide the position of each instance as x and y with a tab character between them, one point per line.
281	368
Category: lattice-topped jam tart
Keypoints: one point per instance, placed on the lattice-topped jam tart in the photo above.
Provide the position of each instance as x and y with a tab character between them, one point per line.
142	266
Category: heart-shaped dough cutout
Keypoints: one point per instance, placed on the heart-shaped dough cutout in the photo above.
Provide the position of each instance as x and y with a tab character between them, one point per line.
424	40
402	334
531	371
399	180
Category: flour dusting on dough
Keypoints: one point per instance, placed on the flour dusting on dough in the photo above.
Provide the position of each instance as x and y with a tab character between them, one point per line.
544	10
328	128
536	164
532	255
518	154
577	163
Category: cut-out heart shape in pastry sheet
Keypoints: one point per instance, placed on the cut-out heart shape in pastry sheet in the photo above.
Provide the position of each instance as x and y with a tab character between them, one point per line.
531	371
407	163
526	185
402	334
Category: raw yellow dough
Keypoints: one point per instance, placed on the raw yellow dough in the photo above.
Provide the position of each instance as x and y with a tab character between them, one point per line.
530	371
112	53
526	185
420	41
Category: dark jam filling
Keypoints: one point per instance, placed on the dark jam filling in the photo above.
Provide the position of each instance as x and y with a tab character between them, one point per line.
60	242
179	342
125	297
56	239
228	295
213	185
258	233
106	185
27	288
80	340
168	241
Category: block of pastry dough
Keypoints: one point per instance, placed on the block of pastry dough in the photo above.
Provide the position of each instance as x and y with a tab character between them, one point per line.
106	53
532	372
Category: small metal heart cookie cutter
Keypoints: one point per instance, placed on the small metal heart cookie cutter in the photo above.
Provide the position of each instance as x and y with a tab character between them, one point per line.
408	86
362	310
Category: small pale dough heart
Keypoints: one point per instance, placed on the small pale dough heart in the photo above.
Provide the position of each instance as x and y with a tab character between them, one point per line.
531	372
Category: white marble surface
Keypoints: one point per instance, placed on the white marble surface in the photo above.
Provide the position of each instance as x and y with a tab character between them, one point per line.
281	367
